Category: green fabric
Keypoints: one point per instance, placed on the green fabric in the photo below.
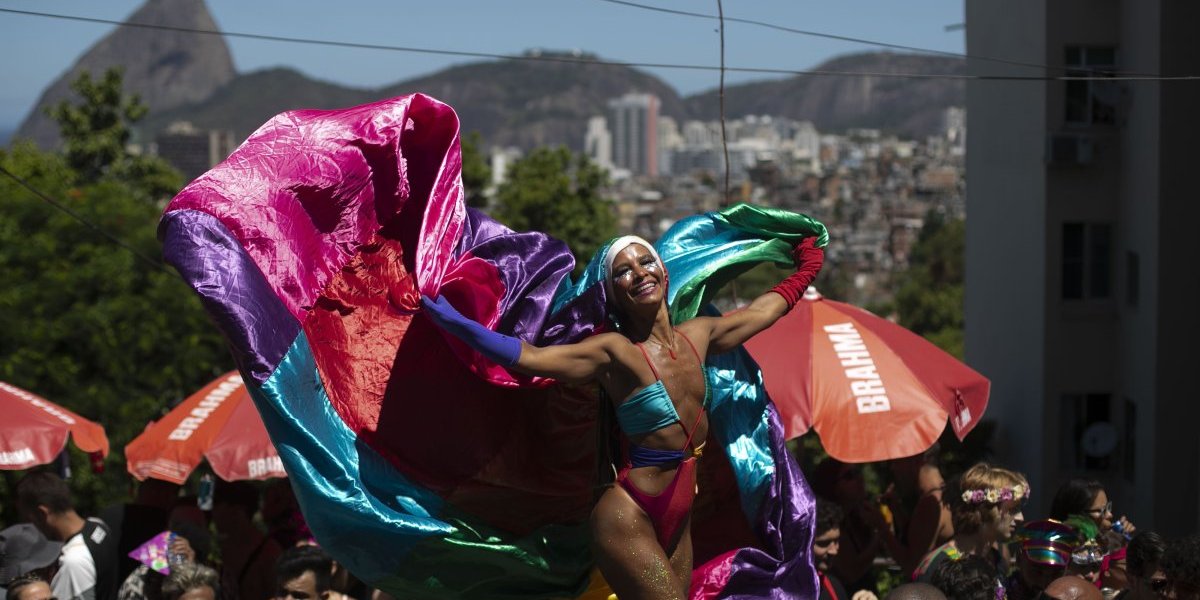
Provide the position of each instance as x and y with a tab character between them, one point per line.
734	241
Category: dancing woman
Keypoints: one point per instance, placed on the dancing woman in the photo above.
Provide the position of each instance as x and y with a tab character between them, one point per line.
654	371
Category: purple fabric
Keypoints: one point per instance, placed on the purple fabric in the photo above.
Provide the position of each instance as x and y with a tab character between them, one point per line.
784	571
532	266
232	288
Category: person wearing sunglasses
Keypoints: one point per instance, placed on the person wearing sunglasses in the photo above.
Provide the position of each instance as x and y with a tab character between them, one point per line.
1087	496
1087	555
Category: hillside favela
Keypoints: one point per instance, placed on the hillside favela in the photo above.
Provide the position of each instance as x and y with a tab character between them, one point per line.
911	321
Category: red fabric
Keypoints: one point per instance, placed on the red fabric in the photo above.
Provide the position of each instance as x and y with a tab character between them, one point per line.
404	376
809	260
35	430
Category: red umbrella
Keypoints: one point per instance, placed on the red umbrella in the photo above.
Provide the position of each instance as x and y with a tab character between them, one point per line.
219	423
35	430
872	389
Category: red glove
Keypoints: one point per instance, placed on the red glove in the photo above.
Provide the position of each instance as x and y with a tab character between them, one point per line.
808	260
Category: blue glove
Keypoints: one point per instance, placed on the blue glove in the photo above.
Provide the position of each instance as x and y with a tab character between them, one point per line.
502	349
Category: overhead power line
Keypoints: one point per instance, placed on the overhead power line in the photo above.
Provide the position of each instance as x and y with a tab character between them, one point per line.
857	40
78	217
593	61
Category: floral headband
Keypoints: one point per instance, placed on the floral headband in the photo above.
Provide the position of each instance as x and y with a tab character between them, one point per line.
996	495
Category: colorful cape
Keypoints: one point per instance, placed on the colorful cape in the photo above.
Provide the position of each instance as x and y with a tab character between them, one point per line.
426	469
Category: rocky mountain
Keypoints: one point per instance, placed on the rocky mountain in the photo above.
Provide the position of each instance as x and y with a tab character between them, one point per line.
511	102
167	69
910	106
252	98
527	103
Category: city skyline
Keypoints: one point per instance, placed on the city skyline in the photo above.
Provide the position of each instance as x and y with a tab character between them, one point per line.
613	32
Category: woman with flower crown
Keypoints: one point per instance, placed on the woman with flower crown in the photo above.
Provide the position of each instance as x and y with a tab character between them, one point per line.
985	507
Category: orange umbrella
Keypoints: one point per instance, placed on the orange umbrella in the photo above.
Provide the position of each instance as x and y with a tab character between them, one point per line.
219	423
35	430
872	389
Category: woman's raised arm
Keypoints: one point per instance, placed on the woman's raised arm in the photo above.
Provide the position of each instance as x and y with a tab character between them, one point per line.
728	331
568	362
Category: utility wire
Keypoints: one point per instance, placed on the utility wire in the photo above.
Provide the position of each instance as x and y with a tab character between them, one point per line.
721	96
593	61
112	238
846	38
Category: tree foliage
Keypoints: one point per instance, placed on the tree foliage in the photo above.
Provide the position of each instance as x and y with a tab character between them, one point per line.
930	299
87	323
96	135
559	193
476	173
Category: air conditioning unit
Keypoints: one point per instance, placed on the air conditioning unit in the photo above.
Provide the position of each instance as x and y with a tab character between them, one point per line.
1069	149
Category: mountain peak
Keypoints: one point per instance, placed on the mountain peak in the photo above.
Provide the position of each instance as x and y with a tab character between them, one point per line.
166	69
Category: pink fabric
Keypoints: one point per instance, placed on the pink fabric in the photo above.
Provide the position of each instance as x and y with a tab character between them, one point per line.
709	579
322	205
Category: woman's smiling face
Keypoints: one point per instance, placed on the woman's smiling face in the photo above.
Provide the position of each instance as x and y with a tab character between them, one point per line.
638	279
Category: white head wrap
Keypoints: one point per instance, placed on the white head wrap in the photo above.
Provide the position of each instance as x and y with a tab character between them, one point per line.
614	249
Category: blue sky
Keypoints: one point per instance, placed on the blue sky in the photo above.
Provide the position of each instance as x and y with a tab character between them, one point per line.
37	49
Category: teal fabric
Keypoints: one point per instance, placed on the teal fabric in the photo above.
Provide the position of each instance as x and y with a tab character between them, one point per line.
648	409
704	252
364	503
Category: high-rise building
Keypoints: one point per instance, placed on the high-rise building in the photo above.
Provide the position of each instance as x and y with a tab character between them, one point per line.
191	150
634	127
597	142
1082	270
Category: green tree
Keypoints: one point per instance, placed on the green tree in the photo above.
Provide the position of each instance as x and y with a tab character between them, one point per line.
86	323
96	134
476	173
559	193
930	300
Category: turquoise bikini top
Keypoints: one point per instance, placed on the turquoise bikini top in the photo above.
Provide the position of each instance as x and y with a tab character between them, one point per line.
650	408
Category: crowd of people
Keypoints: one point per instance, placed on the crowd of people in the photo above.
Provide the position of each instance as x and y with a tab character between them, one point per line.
969	539
250	546
963	539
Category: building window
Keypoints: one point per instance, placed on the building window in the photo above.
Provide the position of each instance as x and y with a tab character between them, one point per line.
1091	102
1086	261
1087	439
1132	283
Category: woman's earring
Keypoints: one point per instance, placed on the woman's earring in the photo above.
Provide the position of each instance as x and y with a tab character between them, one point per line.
615	322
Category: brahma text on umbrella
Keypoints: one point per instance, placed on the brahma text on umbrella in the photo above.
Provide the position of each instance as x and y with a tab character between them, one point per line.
261	467
38	402
24	456
211	402
865	383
